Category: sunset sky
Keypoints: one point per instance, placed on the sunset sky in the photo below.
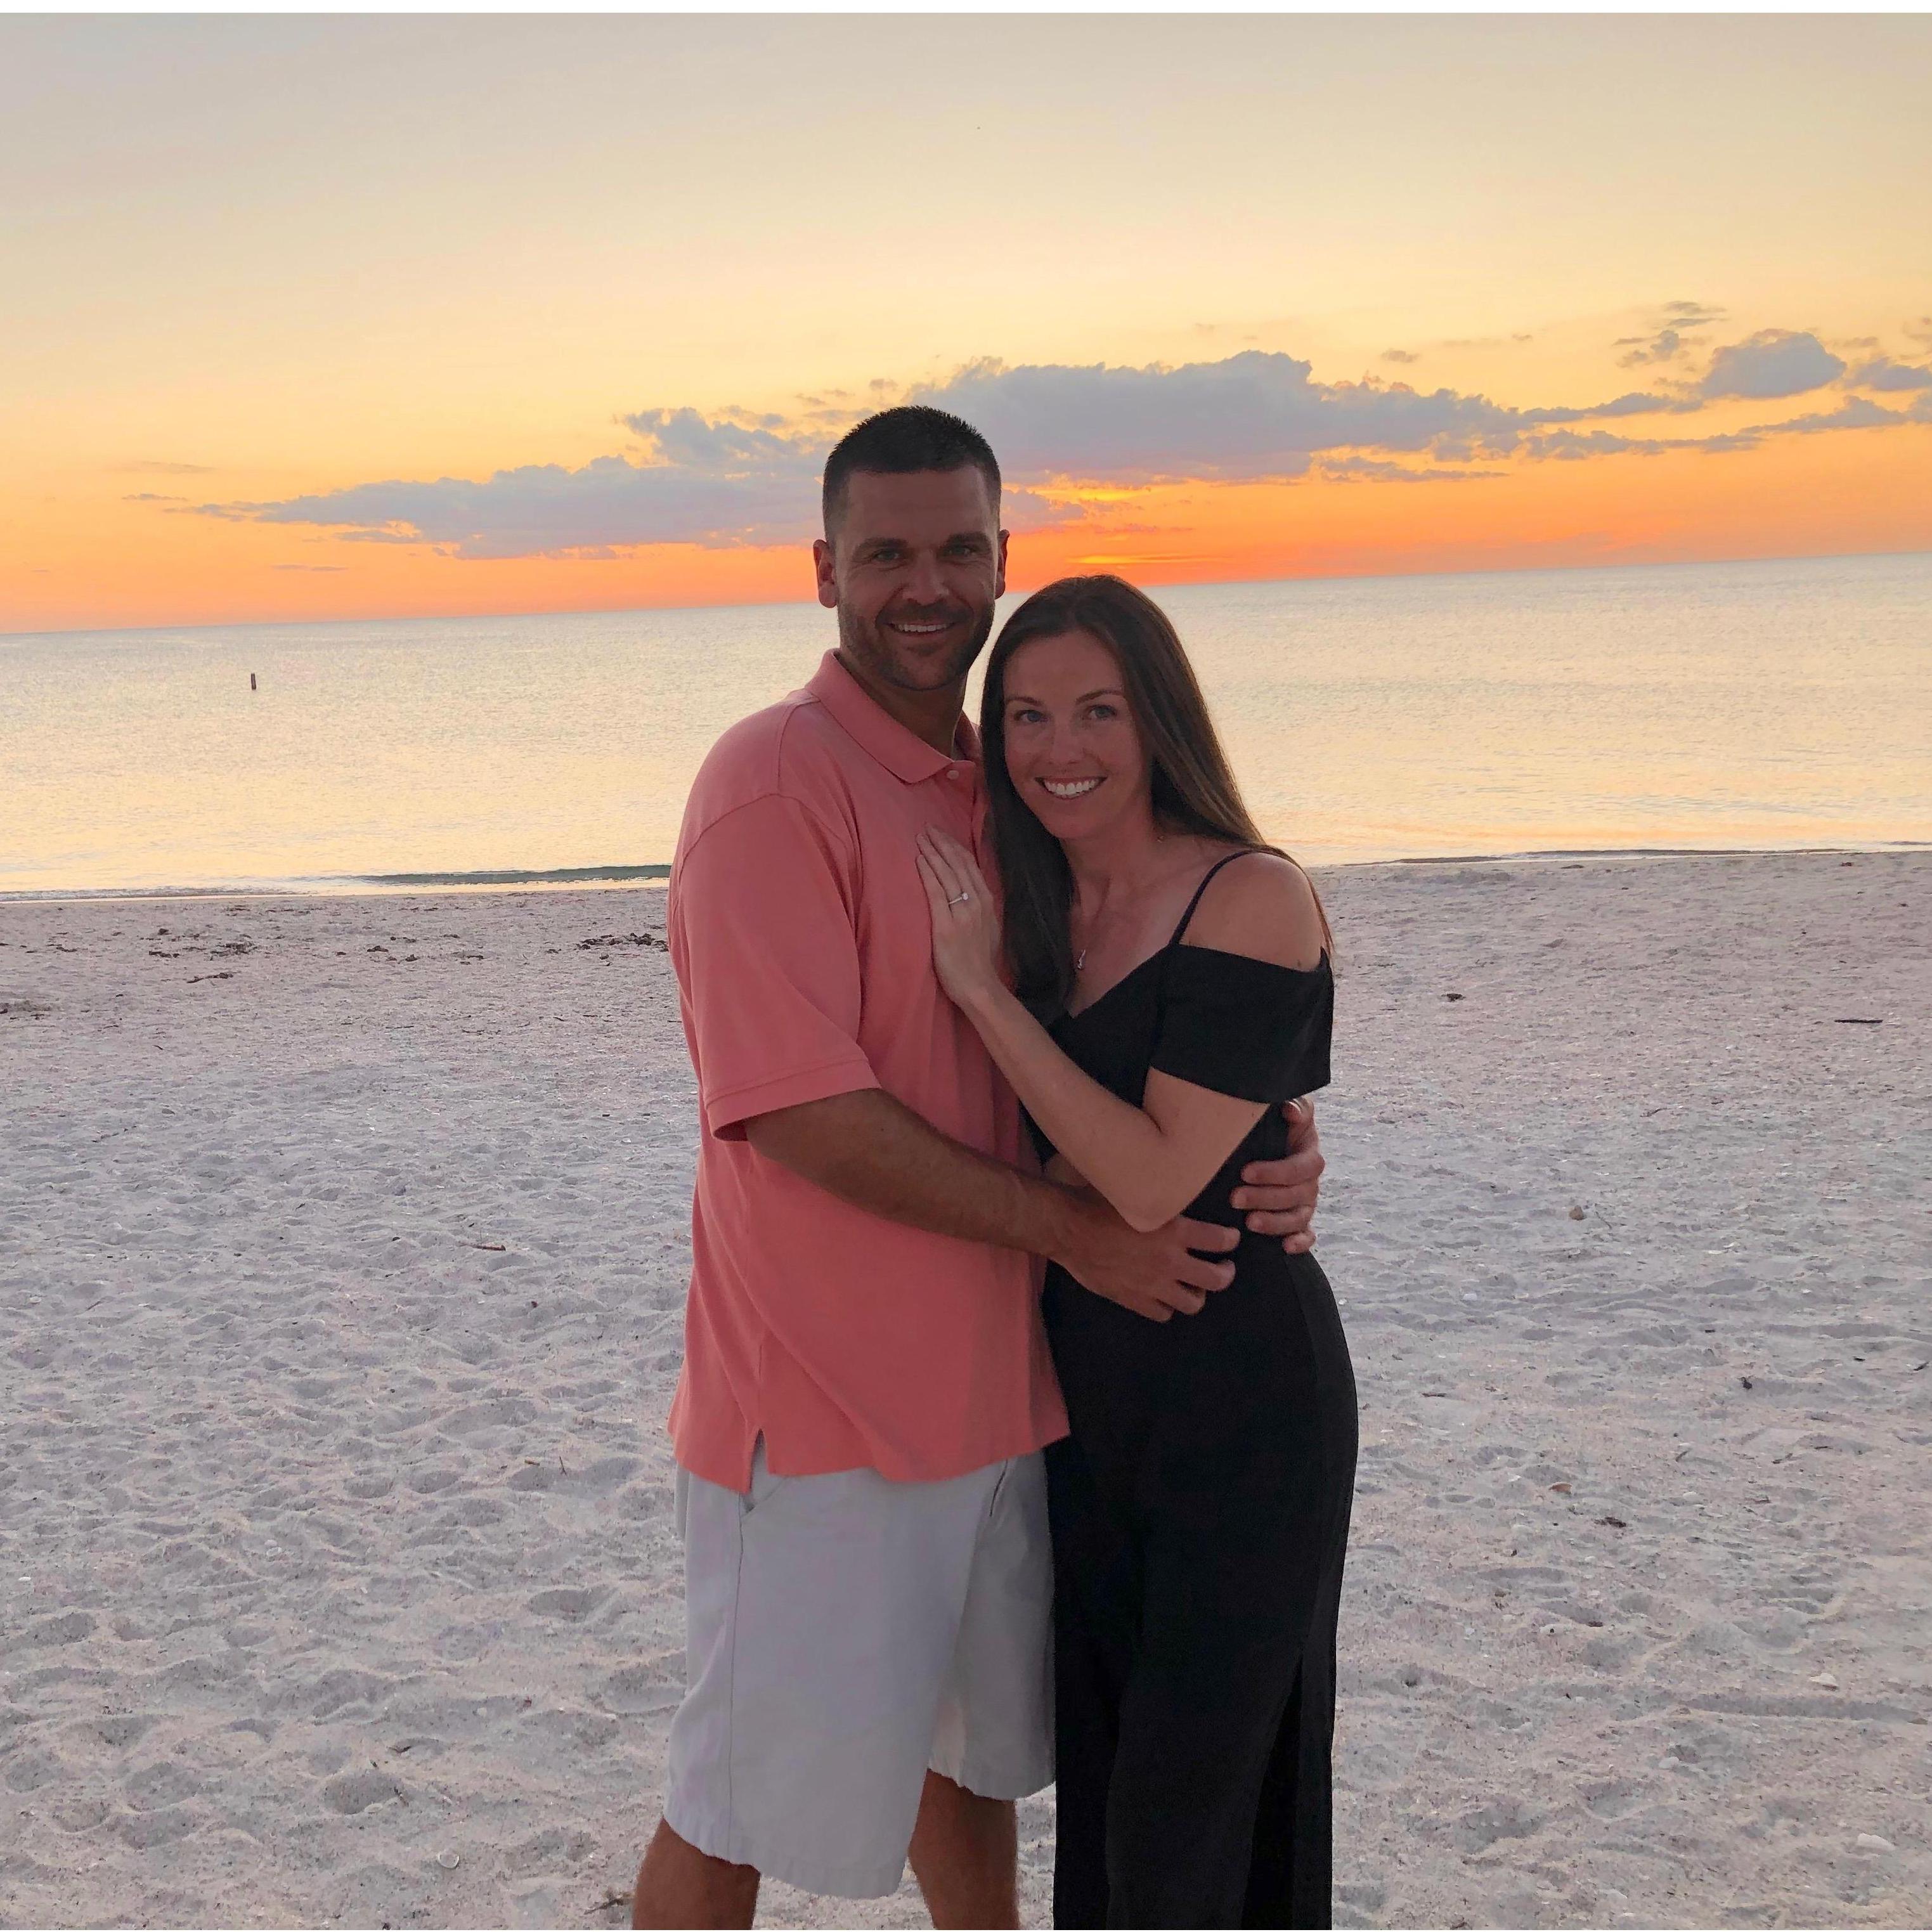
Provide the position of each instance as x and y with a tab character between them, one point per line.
315	317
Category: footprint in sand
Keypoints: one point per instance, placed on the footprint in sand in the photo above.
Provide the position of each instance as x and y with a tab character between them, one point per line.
71	1628
155	1786
356	1791
642	1688
33	1770
572	1606
1476	1830
146	1830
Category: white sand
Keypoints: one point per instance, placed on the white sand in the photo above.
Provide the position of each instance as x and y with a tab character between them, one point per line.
342	1247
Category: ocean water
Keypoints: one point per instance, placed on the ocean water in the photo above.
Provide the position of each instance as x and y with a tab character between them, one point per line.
1707	706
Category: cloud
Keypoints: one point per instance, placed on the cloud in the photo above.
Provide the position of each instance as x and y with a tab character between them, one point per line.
718	485
1920	330
1665	346
738	477
730	444
1881	373
1638	403
1566	446
168	469
1400	356
1254	416
1358	468
149	496
1854	412
1774	362
319	569
1250	415
1570	445
1671	336
546	510
717	482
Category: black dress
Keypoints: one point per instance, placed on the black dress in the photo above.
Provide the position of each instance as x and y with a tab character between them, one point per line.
1200	1507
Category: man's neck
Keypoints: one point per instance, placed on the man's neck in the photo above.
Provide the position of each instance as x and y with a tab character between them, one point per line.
933	715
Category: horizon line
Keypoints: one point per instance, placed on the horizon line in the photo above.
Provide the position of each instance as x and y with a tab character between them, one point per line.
776	603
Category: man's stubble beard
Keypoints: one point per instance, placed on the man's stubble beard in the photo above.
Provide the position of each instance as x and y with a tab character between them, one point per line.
867	644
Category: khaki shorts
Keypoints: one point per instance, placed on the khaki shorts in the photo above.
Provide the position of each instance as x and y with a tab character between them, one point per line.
844	1634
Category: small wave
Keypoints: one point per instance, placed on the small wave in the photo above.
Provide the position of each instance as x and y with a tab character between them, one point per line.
1644	852
350	882
566	875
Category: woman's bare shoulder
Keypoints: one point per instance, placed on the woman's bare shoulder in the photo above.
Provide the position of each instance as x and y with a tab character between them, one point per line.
1263	907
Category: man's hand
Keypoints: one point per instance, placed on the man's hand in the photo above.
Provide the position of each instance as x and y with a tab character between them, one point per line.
875	1152
1280	1195
1154	1275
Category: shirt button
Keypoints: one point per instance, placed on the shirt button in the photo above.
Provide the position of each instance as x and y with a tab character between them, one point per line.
952	771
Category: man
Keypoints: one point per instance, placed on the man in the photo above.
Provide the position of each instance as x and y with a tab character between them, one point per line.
866	1388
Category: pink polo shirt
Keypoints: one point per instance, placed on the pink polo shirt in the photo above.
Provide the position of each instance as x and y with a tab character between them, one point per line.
803	948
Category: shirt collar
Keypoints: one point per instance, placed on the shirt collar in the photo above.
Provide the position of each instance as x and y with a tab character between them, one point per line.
903	752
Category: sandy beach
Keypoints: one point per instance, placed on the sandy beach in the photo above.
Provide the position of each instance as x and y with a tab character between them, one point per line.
343	1246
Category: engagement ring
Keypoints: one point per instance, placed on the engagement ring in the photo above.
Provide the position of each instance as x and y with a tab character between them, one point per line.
961	900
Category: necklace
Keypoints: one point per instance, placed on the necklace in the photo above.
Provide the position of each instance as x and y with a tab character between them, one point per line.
1080	958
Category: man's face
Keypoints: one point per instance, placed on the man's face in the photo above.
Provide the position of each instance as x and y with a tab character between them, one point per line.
914	568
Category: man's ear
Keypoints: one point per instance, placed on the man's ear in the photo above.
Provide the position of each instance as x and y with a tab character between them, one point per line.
999	588
828	579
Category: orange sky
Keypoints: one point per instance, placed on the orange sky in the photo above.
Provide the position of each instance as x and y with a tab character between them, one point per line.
257	261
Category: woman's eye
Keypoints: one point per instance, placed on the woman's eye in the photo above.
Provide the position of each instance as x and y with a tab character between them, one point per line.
1102	711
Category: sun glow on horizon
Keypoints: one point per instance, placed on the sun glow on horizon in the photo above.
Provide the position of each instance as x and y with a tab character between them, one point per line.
341	318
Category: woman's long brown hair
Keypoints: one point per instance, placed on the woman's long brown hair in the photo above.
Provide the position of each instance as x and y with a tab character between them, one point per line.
1194	789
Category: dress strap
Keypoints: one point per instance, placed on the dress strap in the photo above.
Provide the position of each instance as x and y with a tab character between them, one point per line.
1246	852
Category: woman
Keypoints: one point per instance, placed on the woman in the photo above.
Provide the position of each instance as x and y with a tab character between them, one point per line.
1200	1507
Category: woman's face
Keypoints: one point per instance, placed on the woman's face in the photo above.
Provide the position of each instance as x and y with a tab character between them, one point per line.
1073	750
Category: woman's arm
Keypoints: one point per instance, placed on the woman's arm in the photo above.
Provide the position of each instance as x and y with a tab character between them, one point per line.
1149	1161
1061	1169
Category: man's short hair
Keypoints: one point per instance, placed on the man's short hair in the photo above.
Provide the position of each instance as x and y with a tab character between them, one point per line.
900	441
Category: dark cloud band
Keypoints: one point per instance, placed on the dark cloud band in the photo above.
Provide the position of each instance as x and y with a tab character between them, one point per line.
738	478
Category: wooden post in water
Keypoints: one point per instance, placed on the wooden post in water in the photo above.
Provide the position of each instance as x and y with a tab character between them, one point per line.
251	680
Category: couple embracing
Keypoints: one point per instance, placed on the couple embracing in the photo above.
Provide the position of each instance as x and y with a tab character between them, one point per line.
959	1005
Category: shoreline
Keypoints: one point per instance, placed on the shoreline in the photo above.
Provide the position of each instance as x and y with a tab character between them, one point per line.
649	877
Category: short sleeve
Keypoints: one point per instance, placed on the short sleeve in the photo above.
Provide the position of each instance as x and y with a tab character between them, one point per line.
1244	1027
767	961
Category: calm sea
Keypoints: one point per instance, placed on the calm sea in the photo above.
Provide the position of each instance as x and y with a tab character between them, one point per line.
1708	706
